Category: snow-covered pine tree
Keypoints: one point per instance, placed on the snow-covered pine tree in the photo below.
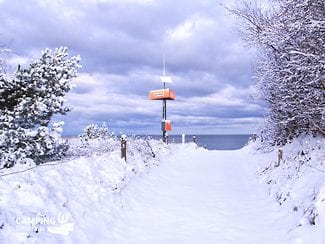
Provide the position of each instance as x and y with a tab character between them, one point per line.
290	73
94	131
27	103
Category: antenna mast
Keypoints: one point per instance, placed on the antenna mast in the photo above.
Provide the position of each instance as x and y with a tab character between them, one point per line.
164	65
164	69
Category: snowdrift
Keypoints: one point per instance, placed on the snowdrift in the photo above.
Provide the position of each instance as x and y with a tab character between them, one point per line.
298	183
75	197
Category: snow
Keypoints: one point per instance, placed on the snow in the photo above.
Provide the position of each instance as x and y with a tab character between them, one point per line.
298	183
84	190
162	194
207	197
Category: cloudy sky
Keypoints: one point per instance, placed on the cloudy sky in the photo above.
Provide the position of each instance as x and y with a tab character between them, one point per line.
122	42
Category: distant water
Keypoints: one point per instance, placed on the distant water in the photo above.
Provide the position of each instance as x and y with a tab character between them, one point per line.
213	142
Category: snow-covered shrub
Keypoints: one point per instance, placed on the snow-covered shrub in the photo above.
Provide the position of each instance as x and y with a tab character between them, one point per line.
298	180
87	190
27	103
21	145
94	131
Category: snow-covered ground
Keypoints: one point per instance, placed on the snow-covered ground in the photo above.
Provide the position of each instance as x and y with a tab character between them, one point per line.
174	194
74	200
298	183
207	197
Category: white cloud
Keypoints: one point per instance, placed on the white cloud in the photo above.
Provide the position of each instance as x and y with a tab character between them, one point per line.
14	61
228	96
183	31
99	98
190	27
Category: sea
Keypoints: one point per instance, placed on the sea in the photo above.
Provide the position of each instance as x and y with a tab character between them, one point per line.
212	142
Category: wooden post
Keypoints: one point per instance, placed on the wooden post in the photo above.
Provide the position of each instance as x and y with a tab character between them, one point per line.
123	147
280	156
194	139
254	137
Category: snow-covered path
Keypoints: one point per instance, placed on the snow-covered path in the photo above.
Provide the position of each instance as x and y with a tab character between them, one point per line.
199	196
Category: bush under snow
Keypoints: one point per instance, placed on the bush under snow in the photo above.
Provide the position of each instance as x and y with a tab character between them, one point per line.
28	101
87	187
298	182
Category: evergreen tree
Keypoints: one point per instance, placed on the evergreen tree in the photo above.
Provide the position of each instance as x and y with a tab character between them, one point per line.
27	103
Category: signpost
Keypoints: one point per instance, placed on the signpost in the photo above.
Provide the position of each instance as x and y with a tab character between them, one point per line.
164	95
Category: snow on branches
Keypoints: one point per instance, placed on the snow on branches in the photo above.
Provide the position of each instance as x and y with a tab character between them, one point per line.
94	131
290	71
27	103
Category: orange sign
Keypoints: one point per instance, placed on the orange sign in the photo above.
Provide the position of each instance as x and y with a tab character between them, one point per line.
162	94
166	125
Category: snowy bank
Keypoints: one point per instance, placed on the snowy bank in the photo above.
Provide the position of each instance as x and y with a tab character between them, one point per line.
74	199
298	182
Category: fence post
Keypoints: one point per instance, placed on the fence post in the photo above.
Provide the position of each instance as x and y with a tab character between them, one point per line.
123	147
183	139
254	137
280	156
194	139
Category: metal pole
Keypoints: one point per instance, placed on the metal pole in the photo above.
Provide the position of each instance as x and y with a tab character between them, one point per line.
165	108
164	118
164	111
